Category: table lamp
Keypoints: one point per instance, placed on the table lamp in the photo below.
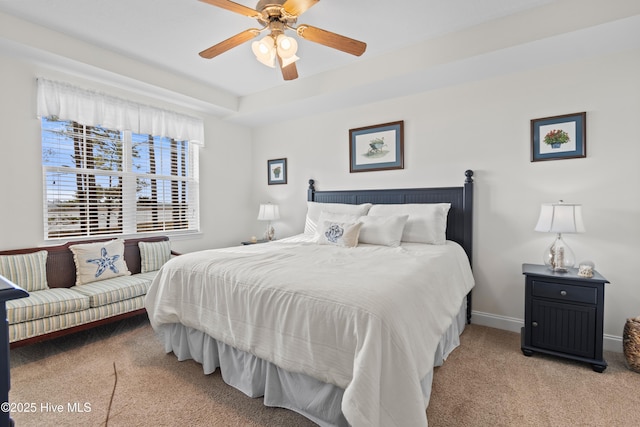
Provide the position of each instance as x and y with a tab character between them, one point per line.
560	218
269	212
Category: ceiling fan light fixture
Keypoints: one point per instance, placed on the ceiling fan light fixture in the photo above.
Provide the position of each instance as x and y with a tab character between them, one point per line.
263	46
287	46
265	51
290	60
269	62
283	42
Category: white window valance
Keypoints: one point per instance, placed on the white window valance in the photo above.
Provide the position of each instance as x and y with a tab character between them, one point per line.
91	108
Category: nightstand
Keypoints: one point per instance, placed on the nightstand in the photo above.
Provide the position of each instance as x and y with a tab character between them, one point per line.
249	242
563	315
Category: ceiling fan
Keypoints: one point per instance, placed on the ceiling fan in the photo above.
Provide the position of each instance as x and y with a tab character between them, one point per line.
277	16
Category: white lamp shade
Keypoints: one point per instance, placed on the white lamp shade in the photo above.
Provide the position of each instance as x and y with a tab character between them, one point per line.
290	60
560	218
265	51
268	212
287	46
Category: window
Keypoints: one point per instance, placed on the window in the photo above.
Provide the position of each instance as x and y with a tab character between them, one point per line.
101	181
114	167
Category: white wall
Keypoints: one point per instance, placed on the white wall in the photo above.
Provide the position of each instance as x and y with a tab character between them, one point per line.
485	126
224	195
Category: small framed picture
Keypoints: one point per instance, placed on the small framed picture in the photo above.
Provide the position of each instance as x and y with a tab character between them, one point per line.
378	147
559	137
277	171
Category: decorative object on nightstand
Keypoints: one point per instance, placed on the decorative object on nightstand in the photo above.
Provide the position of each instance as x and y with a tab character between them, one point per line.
269	212
560	218
585	268
564	315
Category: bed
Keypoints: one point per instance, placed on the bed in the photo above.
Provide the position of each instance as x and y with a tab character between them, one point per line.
343	333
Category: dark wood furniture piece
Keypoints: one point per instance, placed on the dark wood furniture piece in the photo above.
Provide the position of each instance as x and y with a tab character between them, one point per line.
8	291
563	315
459	219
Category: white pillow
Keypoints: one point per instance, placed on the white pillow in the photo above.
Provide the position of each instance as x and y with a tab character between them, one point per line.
427	222
99	261
335	217
382	230
315	208
339	234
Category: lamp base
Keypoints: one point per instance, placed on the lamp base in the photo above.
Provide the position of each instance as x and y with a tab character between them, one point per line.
559	257
270	233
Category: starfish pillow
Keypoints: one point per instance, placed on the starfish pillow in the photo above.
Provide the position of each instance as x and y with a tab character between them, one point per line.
99	261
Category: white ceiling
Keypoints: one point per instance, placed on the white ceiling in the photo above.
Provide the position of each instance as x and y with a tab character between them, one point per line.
167	35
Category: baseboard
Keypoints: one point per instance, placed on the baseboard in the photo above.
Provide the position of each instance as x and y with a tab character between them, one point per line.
610	342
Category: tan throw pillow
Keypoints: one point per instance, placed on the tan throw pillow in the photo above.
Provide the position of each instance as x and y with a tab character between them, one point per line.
29	271
339	234
99	261
153	255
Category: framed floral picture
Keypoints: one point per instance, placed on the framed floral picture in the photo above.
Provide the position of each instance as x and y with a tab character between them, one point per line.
377	147
277	171
559	137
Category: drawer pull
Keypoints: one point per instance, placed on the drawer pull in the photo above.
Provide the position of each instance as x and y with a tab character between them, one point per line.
563	293
534	324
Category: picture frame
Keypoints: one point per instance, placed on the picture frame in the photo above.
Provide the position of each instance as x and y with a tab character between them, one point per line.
377	147
559	137
277	171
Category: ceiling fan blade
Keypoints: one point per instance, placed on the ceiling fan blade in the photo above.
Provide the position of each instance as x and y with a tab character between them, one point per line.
234	7
229	43
290	72
298	7
336	41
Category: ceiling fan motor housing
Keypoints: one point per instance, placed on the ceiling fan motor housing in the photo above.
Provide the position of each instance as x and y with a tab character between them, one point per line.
264	3
271	11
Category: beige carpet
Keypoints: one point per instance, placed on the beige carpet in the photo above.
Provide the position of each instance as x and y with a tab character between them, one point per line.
489	382
485	382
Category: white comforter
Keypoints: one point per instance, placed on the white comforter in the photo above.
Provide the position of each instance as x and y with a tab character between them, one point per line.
367	319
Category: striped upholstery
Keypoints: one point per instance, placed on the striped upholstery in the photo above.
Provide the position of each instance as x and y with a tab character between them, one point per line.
116	289
24	330
118	307
29	271
153	255
46	303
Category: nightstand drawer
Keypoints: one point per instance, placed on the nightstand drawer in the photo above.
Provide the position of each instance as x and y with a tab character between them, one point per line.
564	292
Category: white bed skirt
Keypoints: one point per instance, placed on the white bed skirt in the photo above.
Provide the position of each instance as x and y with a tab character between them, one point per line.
318	401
